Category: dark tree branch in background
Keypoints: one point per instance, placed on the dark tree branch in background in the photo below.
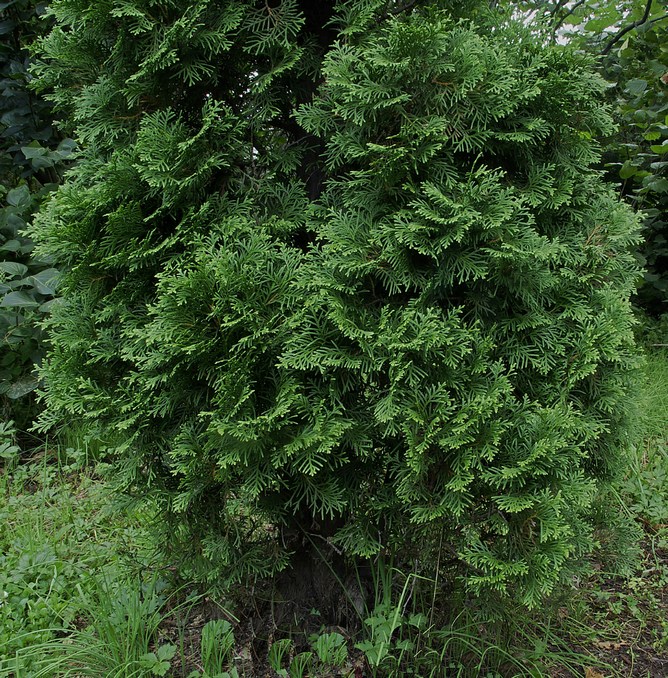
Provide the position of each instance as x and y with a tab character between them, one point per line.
659	18
404	7
619	35
558	6
560	22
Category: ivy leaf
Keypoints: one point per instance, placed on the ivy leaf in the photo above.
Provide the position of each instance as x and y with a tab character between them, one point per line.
46	282
19	197
11	246
627	170
636	86
48	305
67	149
13	268
34	150
19	299
658	185
6	26
660	150
22	387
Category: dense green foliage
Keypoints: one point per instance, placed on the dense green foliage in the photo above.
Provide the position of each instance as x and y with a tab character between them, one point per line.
32	156
639	150
344	271
629	39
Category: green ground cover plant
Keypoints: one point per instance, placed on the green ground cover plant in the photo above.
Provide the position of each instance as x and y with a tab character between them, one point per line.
63	550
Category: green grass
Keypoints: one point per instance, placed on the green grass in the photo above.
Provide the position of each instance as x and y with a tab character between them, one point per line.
123	622
620	614
629	615
66	553
655	395
647	484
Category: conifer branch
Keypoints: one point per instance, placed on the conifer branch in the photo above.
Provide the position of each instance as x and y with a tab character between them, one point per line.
321	320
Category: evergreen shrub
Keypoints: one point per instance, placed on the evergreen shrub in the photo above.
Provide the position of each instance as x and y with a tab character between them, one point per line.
344	270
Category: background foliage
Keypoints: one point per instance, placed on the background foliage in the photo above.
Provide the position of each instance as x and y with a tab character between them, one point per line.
32	158
630	41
